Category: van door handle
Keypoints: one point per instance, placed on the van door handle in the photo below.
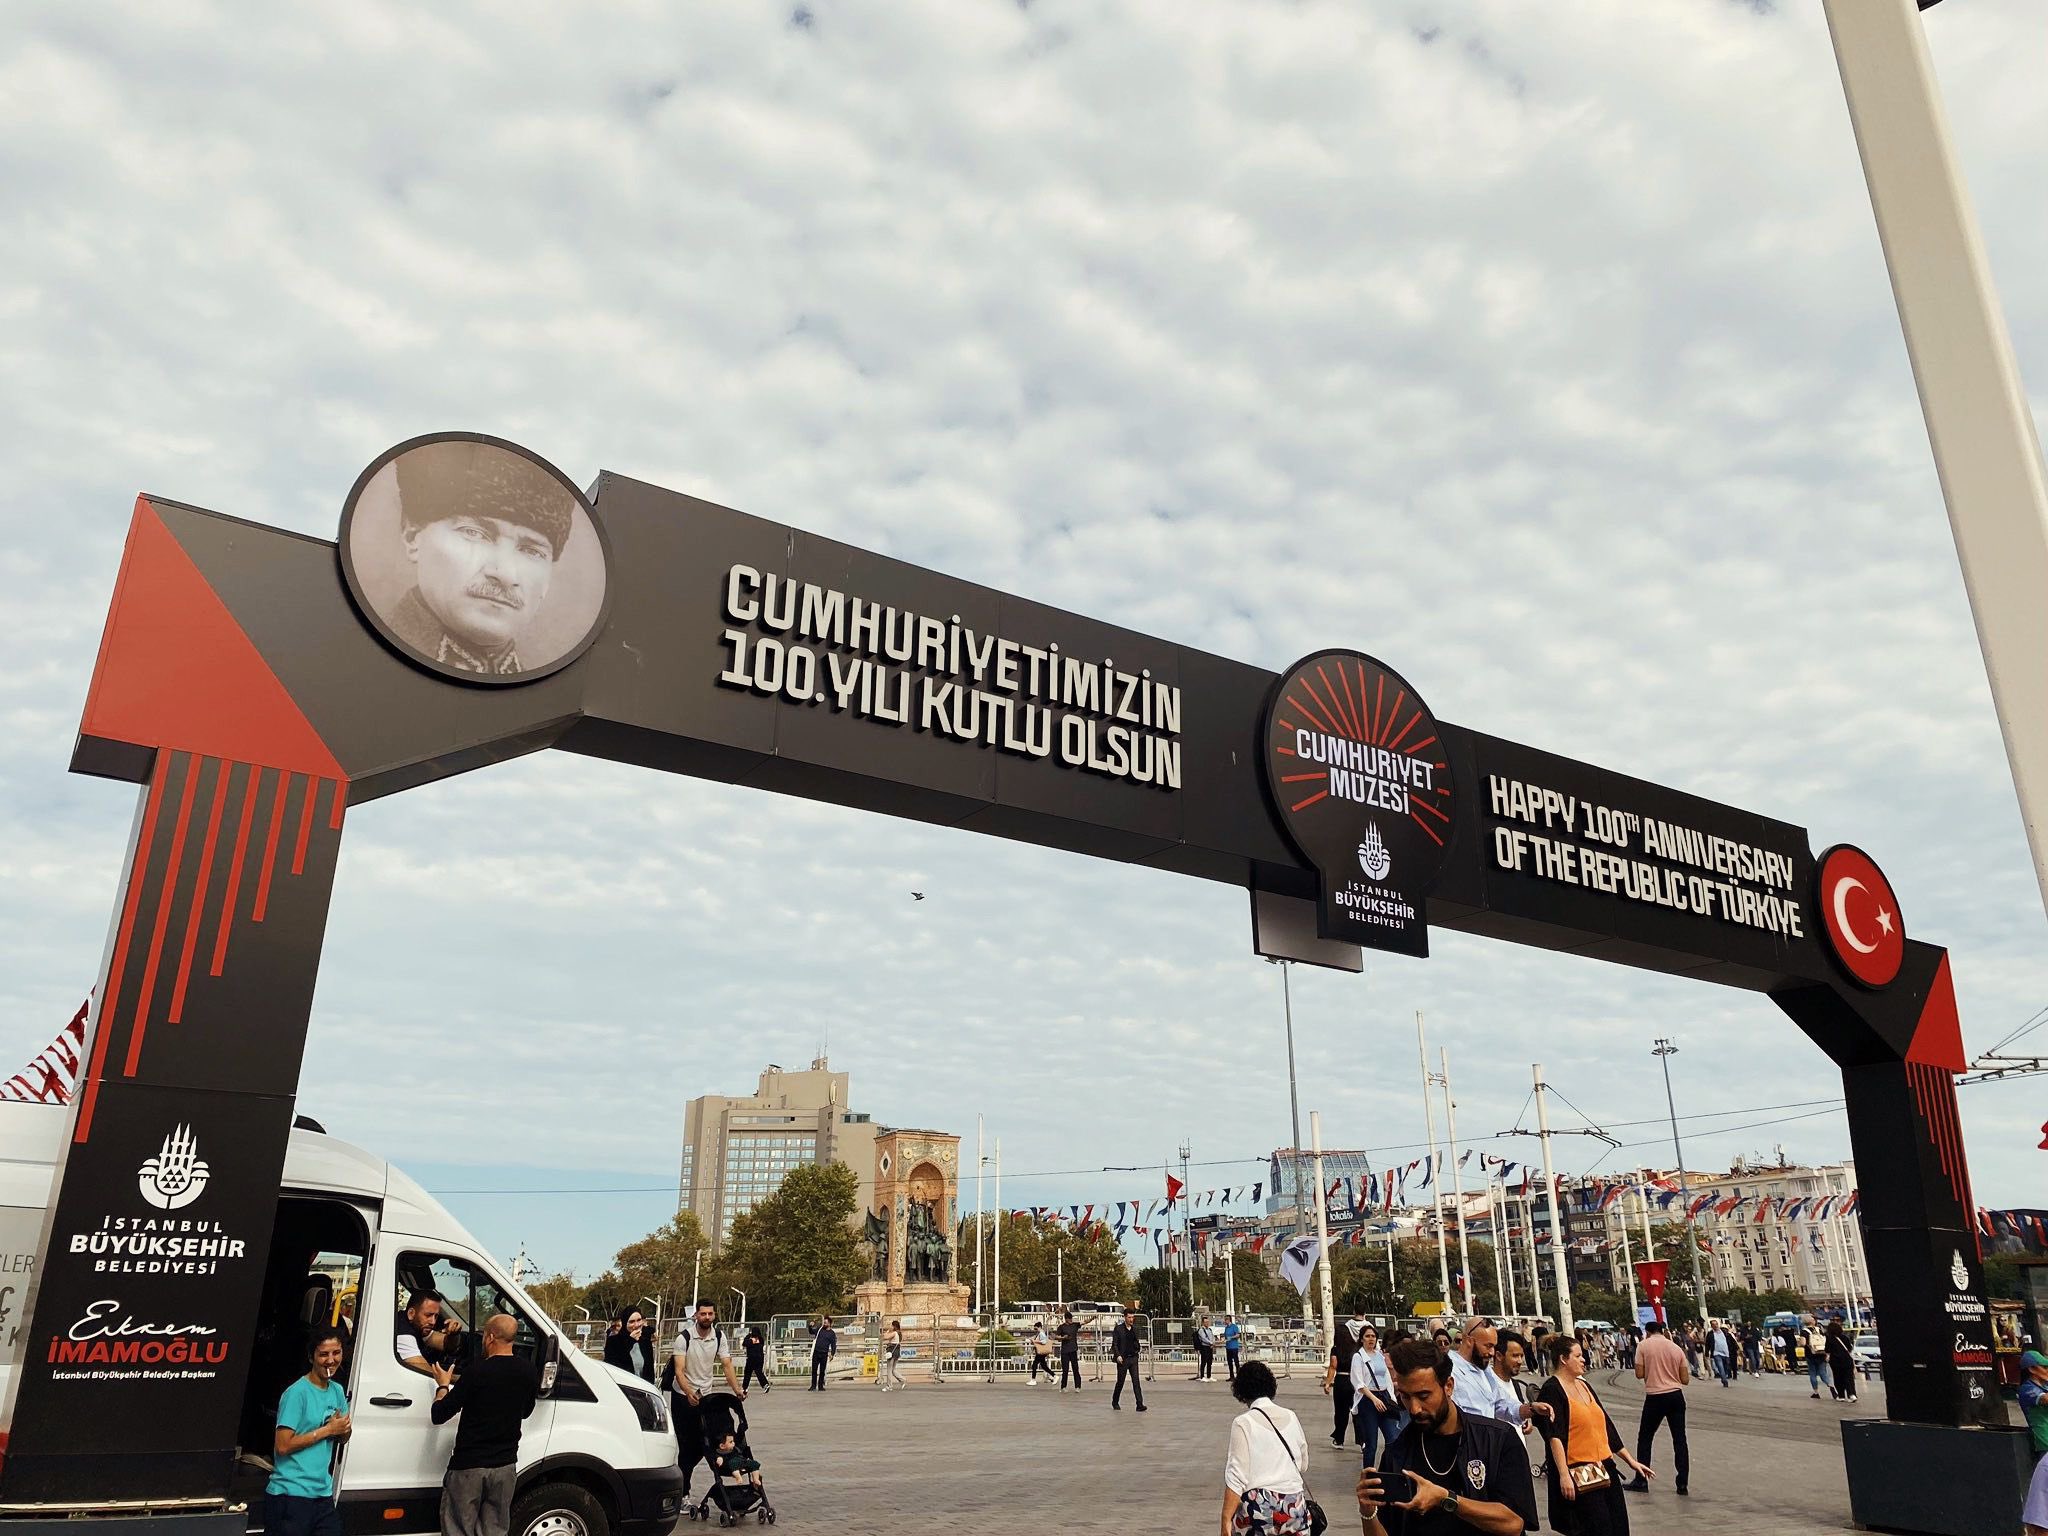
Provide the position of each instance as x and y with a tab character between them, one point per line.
390	1402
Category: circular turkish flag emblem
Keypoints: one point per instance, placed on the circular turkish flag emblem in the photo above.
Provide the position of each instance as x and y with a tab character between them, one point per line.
1865	929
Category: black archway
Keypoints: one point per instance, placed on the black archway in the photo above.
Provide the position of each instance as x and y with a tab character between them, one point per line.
244	682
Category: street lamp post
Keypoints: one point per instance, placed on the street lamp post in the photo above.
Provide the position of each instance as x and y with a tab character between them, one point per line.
1293	1103
1664	1050
743	1305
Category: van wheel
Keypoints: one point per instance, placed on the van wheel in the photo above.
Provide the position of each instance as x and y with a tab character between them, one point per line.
559	1509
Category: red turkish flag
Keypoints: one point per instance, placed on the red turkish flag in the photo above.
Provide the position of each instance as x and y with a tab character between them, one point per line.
2044	1135
1651	1274
1173	1189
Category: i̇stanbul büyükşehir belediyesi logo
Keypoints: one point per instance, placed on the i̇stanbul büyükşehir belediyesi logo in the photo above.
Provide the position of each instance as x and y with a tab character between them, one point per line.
177	1175
1357	774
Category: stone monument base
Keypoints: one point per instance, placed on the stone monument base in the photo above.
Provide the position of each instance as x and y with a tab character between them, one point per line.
917	1298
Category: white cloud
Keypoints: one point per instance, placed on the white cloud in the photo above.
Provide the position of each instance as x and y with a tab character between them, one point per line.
1572	340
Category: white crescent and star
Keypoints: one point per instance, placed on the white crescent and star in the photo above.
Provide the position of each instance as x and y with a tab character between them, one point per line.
1884	917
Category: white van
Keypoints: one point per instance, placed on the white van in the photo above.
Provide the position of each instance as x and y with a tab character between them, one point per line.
354	1240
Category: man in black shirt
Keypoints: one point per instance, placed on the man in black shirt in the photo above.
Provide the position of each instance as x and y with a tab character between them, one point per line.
423	1337
1123	1346
494	1397
756	1346
1337	1374
1469	1472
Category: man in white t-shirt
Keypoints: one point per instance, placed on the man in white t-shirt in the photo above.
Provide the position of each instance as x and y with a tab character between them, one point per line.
1478	1389
696	1401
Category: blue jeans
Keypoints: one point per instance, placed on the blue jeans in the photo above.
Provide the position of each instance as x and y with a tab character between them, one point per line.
1722	1369
1816	1370
1373	1422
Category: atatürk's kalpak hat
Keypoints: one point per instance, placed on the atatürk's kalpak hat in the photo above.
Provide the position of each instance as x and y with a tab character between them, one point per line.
461	479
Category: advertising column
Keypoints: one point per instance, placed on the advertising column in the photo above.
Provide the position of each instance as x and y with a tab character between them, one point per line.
137	1346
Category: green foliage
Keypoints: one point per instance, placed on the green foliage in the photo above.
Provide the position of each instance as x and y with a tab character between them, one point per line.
557	1296
795	1251
1596	1304
1752	1306
1033	1256
2002	1277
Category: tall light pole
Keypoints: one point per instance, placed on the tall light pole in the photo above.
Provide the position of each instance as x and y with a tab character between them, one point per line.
1457	1174
1436	1188
1664	1050
1293	1104
1557	1274
1187	1238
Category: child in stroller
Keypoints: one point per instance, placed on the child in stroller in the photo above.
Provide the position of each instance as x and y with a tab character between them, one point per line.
736	1484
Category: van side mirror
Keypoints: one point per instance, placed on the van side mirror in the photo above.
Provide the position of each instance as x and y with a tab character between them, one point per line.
550	1361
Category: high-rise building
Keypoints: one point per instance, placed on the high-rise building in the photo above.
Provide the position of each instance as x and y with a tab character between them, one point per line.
736	1150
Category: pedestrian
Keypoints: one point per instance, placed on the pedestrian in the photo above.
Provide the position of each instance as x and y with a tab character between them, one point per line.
755	1348
1041	1352
1205	1352
1123	1345
1753	1350
1661	1367
1585	1488
824	1345
1337	1379
2034	1397
494	1397
629	1344
1479	1389
298	1499
1788	1348
1510	1358
1263	1490
1441	1338
1721	1353
1372	1396
892	1355
703	1355
1841	1361
1069	1333
1468	1472
2034	1513
1816	1356
1233	1342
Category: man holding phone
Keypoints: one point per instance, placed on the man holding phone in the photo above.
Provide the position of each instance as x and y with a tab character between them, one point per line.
1447	1472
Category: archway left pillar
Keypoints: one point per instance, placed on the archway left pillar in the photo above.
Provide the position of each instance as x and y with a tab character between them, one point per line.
132	1380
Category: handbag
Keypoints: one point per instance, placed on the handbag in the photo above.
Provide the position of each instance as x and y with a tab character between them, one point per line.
1589	1474
1318	1522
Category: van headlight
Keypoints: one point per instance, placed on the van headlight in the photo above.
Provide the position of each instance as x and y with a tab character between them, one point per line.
648	1407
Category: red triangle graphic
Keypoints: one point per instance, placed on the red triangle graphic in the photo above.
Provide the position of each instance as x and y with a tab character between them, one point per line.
1938	1037
176	671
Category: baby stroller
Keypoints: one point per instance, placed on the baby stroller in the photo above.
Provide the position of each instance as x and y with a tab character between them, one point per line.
733	1493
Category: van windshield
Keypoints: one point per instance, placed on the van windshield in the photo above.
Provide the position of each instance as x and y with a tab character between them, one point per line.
467	1294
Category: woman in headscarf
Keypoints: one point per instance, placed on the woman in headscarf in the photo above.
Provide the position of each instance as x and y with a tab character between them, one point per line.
629	1343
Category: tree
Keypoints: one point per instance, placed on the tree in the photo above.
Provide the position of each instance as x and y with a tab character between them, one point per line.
795	1251
662	1265
1037	1255
1596	1304
557	1295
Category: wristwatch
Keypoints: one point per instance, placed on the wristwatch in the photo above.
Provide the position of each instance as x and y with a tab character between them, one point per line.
1450	1504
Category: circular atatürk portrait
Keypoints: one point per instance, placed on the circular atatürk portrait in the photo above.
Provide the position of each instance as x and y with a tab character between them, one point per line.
474	558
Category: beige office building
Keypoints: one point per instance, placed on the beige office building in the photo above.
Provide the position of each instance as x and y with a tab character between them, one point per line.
736	1150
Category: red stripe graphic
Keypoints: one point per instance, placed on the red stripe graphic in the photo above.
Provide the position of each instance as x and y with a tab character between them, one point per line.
104	1025
220	795
234	883
284	786
168	890
305	825
340	801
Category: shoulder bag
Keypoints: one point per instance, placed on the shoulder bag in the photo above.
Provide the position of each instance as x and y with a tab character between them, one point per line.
1589	1474
1318	1522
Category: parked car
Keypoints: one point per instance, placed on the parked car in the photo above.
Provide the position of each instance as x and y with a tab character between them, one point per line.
1869	1359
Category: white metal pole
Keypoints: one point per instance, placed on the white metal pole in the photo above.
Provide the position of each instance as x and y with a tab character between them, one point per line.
980	1163
1535	1264
997	1299
1628	1265
1494	1225
1436	1203
1457	1178
696	1268
1059	1256
1293	1106
1507	1246
1315	1137
1557	1275
1230	1281
1664	1050
1979	422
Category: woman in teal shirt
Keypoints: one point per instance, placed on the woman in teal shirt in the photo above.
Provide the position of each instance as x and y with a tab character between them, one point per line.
299	1498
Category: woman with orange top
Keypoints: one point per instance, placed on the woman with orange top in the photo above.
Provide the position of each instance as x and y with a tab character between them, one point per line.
1585	1488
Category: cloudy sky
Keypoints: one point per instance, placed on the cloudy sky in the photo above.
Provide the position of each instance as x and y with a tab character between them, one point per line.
1570	336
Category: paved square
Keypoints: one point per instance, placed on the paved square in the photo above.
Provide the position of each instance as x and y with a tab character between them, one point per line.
1011	1458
